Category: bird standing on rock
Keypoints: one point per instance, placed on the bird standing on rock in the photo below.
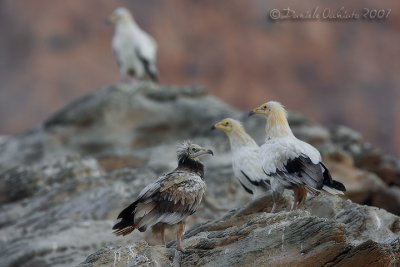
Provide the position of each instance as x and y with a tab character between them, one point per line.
246	162
170	199
134	50
290	162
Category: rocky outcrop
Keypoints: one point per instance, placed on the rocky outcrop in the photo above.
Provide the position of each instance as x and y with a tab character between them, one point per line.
63	184
329	232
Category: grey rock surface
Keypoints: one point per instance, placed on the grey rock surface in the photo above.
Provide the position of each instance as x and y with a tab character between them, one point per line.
329	232
63	184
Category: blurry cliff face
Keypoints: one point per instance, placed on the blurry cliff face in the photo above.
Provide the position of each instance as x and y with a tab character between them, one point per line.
334	72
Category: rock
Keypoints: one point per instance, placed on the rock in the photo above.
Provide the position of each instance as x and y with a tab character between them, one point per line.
361	185
366	156
389	198
329	232
120	118
63	184
139	254
307	130
54	213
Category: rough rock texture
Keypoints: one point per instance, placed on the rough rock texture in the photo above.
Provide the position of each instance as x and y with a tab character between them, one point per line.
63	184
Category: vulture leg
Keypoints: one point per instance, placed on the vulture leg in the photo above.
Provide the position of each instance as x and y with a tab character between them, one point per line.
293	205
179	234
128	76
162	233
123	78
274	200
300	194
296	198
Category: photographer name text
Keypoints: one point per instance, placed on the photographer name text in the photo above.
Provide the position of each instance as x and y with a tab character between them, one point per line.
329	14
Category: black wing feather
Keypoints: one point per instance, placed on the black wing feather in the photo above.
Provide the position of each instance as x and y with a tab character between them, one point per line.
302	171
248	178
127	216
245	188
149	68
328	180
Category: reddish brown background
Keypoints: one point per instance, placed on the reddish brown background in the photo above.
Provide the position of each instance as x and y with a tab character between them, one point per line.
334	72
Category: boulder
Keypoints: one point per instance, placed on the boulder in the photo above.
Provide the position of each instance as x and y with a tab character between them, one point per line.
63	184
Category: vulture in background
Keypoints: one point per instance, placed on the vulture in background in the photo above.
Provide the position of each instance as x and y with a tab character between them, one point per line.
246	162
290	162
170	199
134	50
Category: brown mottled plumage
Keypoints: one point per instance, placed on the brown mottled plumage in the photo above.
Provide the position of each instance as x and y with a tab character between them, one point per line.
170	199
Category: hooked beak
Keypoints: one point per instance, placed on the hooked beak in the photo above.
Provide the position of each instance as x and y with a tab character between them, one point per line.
203	152
110	20
218	125
258	110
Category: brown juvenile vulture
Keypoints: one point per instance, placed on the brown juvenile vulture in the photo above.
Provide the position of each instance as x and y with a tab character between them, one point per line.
170	199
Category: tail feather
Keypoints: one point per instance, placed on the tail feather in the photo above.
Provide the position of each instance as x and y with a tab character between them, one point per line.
127	216
128	211
153	74
338	185
331	186
149	67
332	191
124	231
125	226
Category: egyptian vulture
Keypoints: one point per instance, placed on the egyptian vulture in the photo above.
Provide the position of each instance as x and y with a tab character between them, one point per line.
134	49
290	162
170	199
246	161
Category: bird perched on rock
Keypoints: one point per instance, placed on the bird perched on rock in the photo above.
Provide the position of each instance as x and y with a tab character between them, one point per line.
246	162
290	162
170	199
134	50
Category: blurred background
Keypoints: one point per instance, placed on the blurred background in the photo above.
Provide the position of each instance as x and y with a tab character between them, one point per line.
333	72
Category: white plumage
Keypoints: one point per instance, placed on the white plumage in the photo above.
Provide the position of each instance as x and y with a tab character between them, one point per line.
275	152
134	49
290	162
246	161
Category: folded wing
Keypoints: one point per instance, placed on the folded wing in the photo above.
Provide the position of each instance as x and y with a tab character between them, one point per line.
294	162
169	200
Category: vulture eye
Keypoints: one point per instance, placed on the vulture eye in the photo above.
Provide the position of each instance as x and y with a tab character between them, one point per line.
194	149
227	123
265	107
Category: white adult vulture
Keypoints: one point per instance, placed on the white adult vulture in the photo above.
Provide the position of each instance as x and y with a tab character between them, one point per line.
246	161
134	49
290	162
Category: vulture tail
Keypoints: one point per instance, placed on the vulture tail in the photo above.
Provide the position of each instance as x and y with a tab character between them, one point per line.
127	216
331	186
